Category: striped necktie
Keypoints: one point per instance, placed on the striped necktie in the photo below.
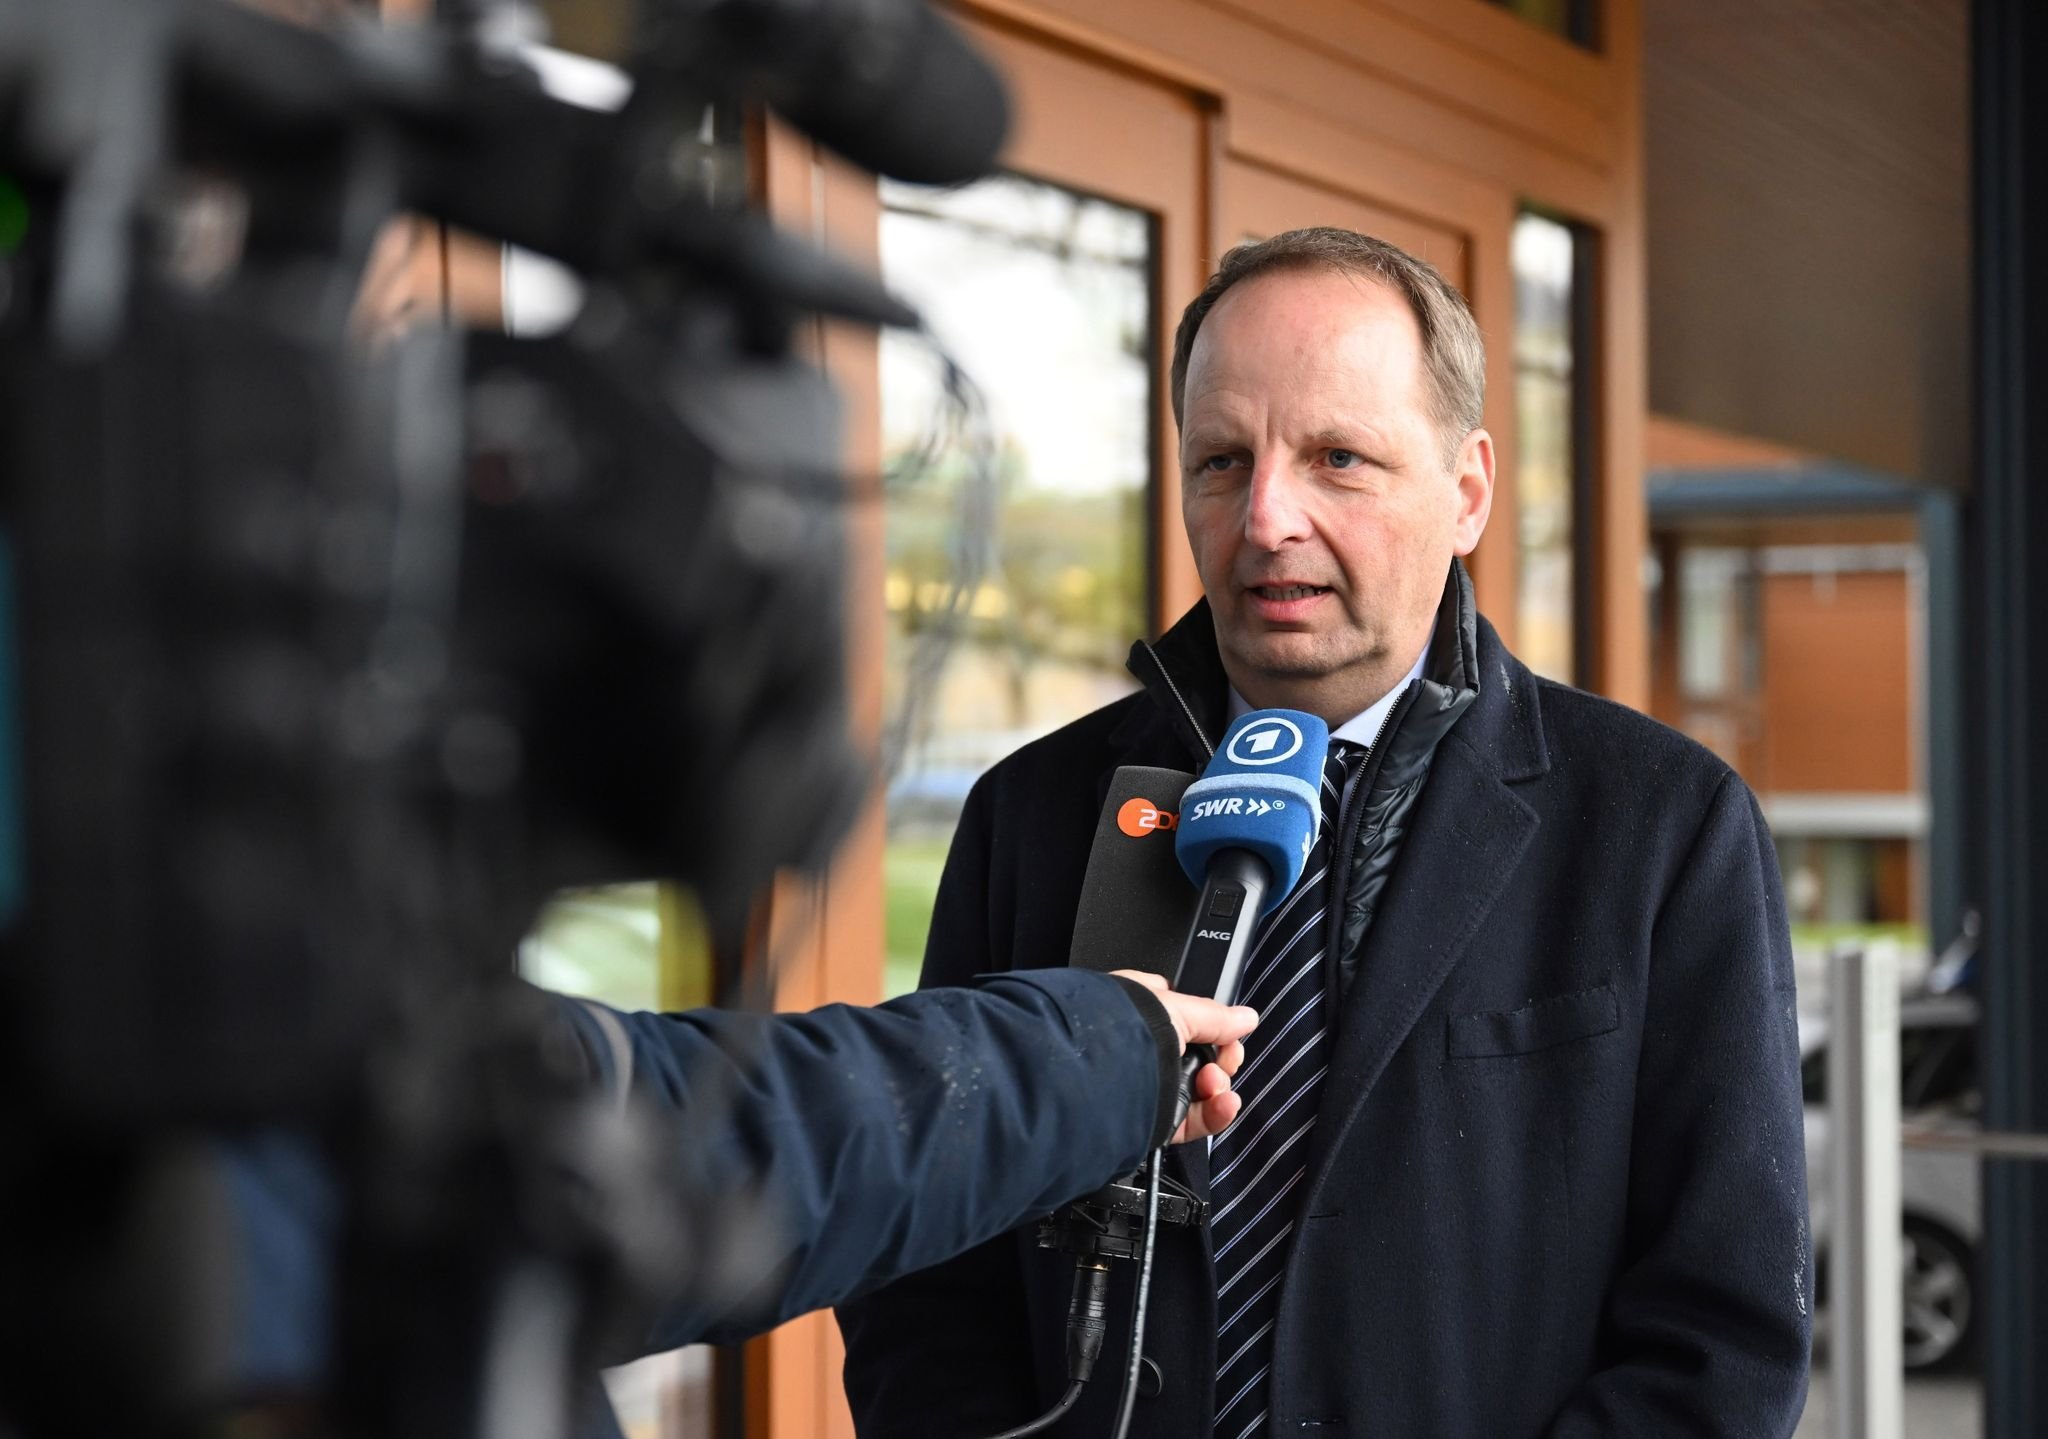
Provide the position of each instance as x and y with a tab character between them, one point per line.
1258	1166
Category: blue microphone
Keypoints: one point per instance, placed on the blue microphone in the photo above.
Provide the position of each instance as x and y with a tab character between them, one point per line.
1245	831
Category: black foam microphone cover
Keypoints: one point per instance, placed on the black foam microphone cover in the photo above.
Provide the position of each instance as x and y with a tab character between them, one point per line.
1135	899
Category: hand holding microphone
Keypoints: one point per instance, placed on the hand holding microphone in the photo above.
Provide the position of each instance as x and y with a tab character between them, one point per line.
1219	1030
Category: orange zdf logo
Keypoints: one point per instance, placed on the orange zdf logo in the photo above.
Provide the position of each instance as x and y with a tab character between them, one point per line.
1140	817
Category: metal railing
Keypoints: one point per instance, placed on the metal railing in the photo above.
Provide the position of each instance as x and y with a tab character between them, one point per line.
1985	1143
1866	1137
1866	1390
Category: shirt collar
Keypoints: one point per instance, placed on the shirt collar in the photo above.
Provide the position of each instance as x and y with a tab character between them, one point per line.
1362	729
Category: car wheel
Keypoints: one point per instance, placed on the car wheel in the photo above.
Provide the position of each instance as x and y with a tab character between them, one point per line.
1939	1302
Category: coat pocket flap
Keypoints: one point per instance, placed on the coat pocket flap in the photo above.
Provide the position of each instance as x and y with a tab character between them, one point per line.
1542	1025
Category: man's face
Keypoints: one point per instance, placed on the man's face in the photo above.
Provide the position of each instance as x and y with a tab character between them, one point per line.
1315	488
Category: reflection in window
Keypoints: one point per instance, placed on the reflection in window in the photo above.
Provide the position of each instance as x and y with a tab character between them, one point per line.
1575	20
1044	297
1547	260
600	944
664	1396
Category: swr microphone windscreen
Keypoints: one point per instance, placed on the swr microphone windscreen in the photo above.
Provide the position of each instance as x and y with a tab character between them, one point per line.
1262	792
1135	901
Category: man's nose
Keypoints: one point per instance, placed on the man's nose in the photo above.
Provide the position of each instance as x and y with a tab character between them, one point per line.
1274	508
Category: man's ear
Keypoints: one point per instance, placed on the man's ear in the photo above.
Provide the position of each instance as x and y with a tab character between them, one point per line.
1475	491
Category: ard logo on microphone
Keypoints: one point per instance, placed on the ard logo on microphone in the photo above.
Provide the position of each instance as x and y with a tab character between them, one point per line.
1268	741
1140	817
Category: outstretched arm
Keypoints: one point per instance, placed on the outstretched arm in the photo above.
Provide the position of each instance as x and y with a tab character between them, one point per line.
884	1140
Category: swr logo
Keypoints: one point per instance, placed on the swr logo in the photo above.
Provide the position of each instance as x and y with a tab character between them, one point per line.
1140	817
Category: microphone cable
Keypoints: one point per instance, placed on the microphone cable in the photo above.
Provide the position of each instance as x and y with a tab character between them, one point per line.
1142	1302
1050	1417
1087	1324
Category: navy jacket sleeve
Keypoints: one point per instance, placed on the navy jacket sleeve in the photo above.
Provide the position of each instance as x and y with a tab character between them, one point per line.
874	1141
948	1352
1710	1320
883	1140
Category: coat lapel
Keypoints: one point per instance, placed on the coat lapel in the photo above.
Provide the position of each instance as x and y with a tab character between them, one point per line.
1470	832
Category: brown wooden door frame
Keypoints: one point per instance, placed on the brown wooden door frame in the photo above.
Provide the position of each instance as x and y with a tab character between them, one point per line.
827	934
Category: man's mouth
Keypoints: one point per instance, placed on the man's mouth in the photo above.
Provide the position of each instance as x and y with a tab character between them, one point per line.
1288	592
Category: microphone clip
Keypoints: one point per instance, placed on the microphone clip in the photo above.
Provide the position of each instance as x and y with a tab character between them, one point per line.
1110	1223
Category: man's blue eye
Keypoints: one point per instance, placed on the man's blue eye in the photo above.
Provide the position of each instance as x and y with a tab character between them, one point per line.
1345	459
1217	464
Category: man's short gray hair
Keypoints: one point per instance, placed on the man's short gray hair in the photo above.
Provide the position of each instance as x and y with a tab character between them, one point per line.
1453	355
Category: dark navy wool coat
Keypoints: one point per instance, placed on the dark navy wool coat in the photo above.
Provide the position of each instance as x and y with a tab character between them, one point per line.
1558	1185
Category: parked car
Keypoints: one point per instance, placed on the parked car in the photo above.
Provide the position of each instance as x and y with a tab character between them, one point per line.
1941	1216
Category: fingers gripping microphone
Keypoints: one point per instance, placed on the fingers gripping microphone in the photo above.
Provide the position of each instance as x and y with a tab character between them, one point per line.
1245	831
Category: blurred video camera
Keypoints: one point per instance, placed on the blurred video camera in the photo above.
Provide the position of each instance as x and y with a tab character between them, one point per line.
321	665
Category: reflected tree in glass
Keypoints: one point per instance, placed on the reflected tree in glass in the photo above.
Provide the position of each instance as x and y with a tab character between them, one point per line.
1044	296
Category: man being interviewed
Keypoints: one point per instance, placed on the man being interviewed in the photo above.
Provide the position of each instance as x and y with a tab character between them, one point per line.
1520	1152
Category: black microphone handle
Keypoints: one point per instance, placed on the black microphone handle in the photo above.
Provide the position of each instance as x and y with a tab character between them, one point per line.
1212	958
1226	916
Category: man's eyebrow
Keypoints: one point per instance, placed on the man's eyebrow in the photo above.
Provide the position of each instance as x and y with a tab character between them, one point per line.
1341	437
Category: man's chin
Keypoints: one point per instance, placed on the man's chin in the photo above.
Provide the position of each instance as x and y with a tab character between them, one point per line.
1290	656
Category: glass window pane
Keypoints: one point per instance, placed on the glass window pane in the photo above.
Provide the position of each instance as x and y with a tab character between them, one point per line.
1545	258
664	1396
1709	622
602	944
1044	297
